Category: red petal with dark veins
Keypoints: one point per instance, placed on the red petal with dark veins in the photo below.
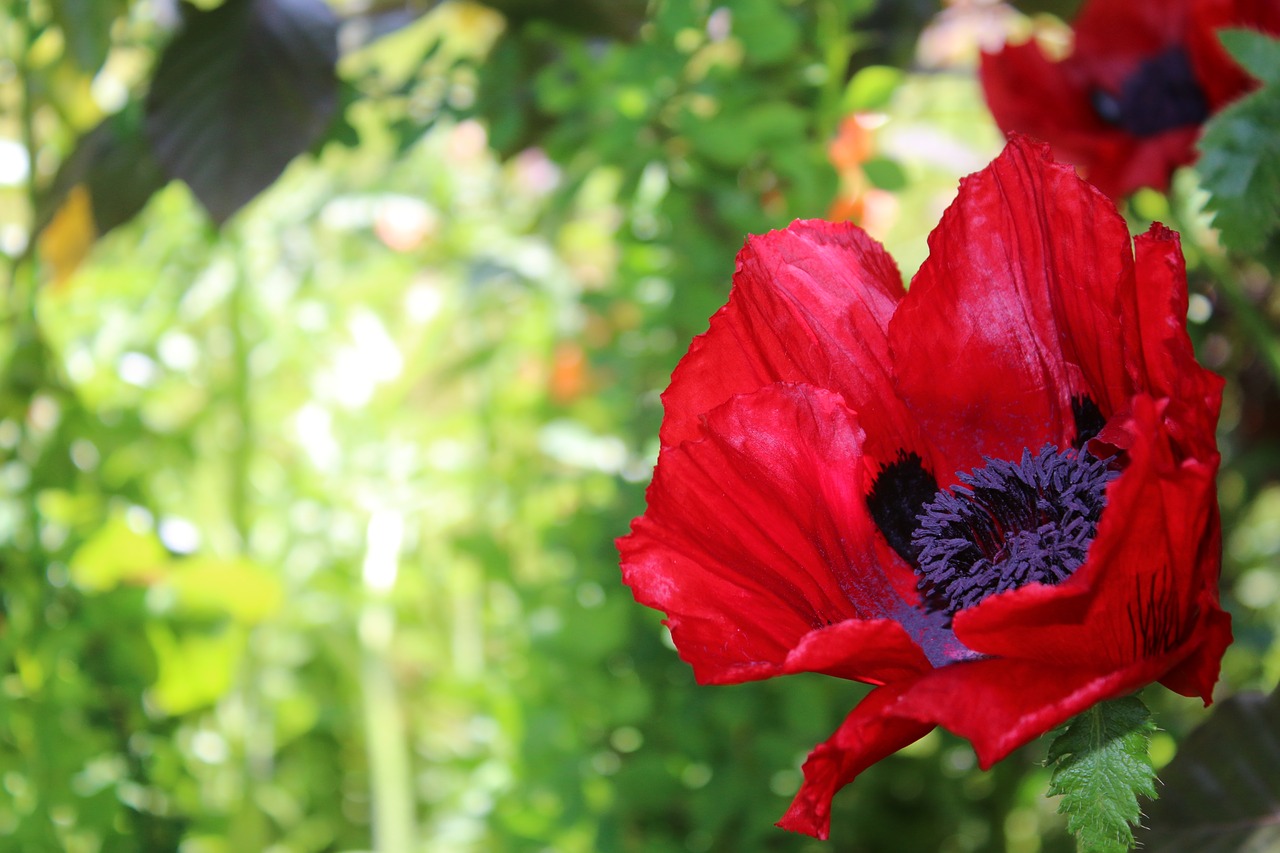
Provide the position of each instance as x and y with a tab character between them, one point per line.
1026	282
1149	585
757	538
999	704
867	735
809	304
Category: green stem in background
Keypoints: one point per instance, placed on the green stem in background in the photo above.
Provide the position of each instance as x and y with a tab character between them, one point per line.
242	404
836	41
1265	339
389	772
250	830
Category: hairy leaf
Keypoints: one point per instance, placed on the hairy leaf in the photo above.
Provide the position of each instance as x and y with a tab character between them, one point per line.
1101	766
1221	792
1240	150
240	92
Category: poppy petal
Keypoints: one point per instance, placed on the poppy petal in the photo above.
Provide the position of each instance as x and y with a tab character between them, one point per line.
866	736
1170	364
999	704
1022	286
757	537
810	303
1112	36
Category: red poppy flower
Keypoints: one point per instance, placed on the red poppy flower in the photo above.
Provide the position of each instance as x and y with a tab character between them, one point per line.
1127	105
992	496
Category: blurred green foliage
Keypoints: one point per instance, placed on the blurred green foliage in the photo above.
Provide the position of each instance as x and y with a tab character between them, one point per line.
306	521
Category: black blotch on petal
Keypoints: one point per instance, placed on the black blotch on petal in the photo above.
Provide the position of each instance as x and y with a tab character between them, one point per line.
1089	420
899	493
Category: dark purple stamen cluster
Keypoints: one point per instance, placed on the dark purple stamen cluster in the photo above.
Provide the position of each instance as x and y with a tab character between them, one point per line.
1161	94
1009	524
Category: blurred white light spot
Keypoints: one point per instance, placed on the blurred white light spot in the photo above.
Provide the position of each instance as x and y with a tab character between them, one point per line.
403	223
14	163
535	172
80	363
572	444
1258	588
314	426
423	301
13	239
137	369
719	24
626	739
44	413
109	92
447	454
84	455
179	535
359	368
178	350
382	553
1199	308
209	747
139	519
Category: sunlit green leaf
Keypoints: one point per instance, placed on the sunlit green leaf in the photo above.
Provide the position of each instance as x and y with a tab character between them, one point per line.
118	554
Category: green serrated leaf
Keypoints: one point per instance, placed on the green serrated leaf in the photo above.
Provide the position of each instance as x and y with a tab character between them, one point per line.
1240	167
1257	52
1101	766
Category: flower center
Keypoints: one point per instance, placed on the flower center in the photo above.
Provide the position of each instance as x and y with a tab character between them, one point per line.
1009	524
1161	94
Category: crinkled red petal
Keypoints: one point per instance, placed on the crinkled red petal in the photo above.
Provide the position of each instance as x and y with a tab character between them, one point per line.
1025	283
811	304
1171	370
757	538
999	704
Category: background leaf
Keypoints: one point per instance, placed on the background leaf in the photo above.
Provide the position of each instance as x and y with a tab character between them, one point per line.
1221	792
240	92
1240	159
113	162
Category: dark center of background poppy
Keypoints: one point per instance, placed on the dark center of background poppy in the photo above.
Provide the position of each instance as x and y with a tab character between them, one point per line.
1161	94
1009	524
